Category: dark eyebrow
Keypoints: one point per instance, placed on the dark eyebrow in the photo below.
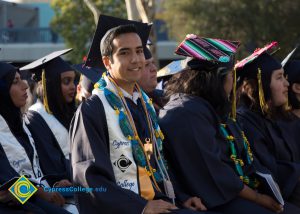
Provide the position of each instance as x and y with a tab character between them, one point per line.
126	49
123	49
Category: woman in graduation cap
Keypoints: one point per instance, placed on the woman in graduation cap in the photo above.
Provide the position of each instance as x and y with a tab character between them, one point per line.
216	167
53	113
263	97
18	154
290	125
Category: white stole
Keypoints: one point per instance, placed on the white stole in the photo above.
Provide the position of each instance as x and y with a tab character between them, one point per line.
121	155
59	131
17	156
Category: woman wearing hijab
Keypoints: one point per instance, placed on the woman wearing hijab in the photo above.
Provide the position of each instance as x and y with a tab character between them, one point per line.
17	147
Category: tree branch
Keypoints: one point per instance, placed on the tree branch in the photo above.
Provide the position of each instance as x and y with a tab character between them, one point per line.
91	5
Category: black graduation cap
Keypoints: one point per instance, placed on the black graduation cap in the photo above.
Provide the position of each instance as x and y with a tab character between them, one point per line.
289	56
292	66
52	64
147	53
105	23
90	75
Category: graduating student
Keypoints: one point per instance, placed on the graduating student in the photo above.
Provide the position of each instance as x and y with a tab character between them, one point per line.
148	81
263	98
290	125
115	139
18	154
53	112
196	145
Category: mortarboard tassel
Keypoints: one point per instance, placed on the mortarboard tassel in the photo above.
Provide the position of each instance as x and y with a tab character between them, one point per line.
233	107
45	99
261	95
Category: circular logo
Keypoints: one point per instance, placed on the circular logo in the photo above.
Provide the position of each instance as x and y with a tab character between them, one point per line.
22	189
122	163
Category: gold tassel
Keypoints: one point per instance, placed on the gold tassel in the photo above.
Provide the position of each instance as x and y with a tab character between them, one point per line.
45	99
261	95
233	108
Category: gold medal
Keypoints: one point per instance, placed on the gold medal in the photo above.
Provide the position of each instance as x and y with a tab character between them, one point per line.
148	147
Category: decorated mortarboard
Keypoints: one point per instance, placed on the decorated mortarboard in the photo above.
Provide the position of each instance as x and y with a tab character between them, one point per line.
106	23
90	75
51	63
207	49
254	55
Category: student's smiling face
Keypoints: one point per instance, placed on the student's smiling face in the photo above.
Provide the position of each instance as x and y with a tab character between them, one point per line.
128	58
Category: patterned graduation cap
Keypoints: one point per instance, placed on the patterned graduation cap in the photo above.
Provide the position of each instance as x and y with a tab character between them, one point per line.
254	55
207	49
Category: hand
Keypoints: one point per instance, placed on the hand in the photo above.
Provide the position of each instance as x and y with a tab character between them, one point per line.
194	203
63	183
268	202
159	206
7	197
52	197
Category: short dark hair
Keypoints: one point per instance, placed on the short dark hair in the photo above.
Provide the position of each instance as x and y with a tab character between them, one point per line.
106	44
205	83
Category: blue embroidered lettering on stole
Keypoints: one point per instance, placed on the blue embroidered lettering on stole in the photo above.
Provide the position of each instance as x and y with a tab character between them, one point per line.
17	163
118	144
125	184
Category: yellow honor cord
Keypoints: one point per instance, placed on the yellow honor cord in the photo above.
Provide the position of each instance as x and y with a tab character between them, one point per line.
233	108
261	95
45	99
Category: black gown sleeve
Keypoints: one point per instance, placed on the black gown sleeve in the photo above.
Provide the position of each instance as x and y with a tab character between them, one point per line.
285	172
6	171
92	166
194	154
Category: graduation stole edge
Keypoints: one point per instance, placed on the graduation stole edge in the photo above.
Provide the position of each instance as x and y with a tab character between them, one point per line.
239	163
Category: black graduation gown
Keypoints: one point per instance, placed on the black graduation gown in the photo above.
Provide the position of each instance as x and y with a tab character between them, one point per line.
272	150
52	160
290	130
192	147
248	169
92	166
